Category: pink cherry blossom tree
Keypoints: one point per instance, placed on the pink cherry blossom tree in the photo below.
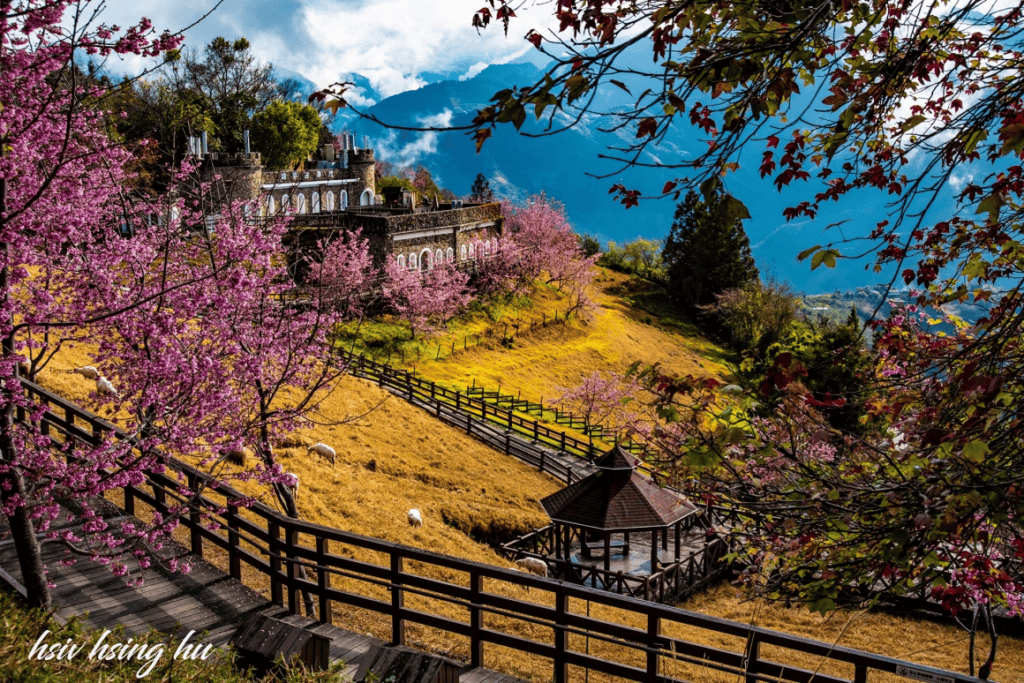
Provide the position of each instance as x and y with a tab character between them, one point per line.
426	300
549	248
602	402
345	273
191	327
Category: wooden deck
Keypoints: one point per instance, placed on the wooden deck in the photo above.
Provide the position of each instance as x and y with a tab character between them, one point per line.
204	600
638	561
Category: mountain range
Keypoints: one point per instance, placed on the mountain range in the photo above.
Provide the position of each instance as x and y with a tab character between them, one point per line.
568	166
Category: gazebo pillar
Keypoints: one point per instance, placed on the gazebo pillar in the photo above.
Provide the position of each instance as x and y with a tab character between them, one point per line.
607	551
679	534
654	551
625	543
664	538
558	540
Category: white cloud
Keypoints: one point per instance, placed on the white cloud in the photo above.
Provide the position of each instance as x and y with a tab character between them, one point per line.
388	41
474	70
388	148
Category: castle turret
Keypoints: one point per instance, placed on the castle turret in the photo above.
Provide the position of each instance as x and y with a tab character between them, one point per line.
361	165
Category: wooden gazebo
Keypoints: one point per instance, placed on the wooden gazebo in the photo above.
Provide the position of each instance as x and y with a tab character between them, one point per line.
603	509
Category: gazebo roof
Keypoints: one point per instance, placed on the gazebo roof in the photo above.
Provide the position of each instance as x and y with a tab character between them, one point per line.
616	498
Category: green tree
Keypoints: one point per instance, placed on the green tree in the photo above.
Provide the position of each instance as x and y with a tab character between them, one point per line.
756	314
233	86
285	133
481	190
707	251
837	363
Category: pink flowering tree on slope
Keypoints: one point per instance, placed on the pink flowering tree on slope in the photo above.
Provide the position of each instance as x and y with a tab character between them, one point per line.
426	300
189	331
549	248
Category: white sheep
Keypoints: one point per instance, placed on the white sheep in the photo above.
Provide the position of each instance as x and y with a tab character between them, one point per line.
88	372
291	482
533	566
323	450
414	518
105	388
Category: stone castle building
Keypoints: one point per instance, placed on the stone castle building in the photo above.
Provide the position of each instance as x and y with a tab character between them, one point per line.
339	192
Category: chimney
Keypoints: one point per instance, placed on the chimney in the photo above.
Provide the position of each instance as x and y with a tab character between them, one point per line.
245	140
205	148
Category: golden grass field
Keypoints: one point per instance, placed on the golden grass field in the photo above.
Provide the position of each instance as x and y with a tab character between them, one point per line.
398	457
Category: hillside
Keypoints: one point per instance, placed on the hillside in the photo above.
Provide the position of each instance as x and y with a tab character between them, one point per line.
397	457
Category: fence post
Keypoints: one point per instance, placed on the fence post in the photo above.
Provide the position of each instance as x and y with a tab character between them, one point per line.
510	418
563	442
397	601
291	539
508	442
753	645
323	580
195	538
536	431
275	563
234	561
129	499
561	664
469	424
458	400
476	622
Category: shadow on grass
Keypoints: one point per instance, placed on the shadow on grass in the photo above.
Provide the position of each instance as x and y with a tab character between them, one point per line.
663	312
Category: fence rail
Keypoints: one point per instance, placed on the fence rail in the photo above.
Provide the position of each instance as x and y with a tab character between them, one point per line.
276	546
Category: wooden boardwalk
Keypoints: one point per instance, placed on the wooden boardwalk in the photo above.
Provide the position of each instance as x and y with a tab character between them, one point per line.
204	600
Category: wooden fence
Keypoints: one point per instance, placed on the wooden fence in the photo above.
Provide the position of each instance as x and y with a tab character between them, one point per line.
423	391
276	546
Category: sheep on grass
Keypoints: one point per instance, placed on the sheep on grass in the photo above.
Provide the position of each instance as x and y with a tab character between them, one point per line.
323	450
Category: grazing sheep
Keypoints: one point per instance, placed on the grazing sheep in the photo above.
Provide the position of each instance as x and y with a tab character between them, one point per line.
291	482
88	372
105	388
323	450
533	566
414	518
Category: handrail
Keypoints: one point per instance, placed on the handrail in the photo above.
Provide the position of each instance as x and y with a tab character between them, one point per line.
278	554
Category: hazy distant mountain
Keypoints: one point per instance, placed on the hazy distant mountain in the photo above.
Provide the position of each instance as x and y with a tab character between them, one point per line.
302	86
520	165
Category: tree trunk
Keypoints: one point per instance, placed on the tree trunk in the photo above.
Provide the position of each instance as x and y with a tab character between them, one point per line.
23	532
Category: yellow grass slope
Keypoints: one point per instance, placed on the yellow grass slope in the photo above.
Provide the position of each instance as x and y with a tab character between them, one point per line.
555	357
394	458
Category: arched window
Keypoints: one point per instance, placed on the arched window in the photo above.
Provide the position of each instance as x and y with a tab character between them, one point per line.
487	247
284	203
366	198
462	253
412	261
438	256
300	203
426	260
401	261
494	245
271	206
314	202
328	201
451	254
344	200
472	251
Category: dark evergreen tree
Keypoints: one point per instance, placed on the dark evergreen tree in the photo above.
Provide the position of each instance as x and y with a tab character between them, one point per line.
481	190
707	251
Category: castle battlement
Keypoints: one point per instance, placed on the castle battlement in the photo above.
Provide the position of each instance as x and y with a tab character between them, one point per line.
237	160
360	156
